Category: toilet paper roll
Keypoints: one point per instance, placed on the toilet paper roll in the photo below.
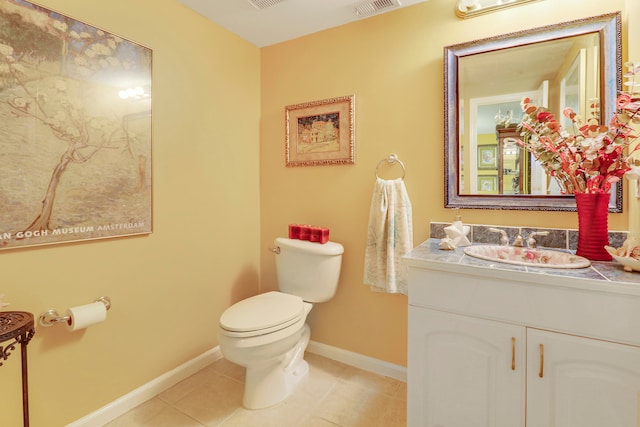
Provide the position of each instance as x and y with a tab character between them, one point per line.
86	315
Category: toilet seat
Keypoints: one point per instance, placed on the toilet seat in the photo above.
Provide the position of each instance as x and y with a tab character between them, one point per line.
262	314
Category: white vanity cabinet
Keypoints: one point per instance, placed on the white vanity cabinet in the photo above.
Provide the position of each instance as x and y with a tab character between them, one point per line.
464	371
581	382
494	347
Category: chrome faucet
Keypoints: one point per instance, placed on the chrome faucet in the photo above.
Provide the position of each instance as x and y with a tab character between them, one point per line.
518	239
531	242
504	239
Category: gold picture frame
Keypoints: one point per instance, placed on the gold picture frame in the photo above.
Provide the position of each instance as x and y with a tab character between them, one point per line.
320	132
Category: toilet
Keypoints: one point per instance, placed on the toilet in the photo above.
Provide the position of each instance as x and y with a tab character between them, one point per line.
267	333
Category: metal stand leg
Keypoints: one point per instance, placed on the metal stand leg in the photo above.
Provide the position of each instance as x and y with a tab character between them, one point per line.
18	326
25	382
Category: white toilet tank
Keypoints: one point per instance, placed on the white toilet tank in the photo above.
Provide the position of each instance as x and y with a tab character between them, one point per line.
307	269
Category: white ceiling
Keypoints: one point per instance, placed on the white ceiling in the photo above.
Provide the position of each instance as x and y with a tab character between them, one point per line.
282	20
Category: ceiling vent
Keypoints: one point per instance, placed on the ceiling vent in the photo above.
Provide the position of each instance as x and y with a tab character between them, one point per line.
263	4
369	8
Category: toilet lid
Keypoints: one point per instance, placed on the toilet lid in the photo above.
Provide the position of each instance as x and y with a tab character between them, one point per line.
264	311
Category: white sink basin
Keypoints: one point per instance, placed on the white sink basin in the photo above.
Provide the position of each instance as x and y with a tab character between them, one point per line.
527	256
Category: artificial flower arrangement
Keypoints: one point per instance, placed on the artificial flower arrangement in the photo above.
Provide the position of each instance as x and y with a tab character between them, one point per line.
596	156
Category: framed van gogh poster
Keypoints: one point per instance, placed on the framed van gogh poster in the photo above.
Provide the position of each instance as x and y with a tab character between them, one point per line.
320	132
75	130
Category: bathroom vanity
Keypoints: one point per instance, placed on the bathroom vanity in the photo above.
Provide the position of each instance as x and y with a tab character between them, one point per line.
499	345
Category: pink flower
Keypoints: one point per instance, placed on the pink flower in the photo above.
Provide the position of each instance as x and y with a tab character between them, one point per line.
554	126
623	100
544	116
569	113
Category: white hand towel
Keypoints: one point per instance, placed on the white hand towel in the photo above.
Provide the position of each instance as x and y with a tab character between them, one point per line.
390	236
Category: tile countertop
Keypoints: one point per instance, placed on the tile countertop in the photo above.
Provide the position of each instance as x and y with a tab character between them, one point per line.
601	276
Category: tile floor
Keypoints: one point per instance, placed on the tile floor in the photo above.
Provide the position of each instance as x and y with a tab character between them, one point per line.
333	394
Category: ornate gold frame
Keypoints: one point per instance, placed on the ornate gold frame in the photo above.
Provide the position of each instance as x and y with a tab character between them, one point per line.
320	132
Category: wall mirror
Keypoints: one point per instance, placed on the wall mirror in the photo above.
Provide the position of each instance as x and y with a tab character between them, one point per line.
573	64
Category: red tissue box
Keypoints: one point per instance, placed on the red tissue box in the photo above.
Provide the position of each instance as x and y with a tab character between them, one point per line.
309	232
319	234
305	232
294	231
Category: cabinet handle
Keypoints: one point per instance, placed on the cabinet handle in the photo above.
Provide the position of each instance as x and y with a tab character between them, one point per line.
541	371
513	353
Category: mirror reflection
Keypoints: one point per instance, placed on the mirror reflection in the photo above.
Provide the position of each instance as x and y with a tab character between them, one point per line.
568	78
574	64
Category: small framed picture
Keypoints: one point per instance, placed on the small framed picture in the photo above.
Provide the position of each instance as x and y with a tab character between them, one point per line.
487	183
320	132
487	157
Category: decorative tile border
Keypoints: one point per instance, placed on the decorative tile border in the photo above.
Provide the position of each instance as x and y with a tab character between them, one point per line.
557	238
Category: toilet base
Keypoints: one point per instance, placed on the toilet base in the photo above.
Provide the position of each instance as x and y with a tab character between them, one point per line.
270	383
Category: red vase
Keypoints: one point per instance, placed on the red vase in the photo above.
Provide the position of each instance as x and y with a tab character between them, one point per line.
593	229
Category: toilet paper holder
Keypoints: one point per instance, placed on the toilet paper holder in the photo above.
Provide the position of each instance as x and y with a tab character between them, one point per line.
51	316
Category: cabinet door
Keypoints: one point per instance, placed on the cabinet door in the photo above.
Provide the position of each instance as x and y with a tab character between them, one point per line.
464	372
580	382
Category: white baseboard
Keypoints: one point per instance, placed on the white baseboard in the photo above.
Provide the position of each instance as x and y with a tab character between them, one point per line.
147	391
154	387
359	361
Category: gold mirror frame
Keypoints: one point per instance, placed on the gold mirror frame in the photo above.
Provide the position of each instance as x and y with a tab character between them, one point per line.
608	28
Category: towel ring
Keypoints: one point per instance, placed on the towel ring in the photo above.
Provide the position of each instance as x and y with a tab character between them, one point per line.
391	160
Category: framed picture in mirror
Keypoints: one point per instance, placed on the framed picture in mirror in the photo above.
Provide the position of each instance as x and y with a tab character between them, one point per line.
487	183
488	156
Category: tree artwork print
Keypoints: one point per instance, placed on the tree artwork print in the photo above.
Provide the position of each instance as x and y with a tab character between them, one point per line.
75	130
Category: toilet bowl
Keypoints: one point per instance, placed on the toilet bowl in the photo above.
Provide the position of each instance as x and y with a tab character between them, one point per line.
267	333
271	350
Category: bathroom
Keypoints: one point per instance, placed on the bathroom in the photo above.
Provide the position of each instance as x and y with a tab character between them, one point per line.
222	193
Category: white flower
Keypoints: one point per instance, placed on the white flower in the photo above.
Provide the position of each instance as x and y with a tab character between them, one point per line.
100	49
79	60
113	61
59	25
20	102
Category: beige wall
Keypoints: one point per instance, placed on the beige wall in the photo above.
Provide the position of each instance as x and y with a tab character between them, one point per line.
393	64
168	288
220	181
